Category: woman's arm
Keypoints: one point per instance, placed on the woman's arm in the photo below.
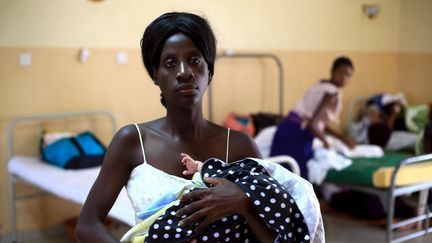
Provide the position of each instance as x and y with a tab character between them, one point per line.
351	143
111	179
319	112
395	111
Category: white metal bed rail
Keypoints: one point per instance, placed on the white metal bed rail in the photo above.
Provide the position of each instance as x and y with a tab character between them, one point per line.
252	55
38	118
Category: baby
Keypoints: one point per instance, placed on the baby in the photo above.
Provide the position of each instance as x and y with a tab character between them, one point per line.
191	165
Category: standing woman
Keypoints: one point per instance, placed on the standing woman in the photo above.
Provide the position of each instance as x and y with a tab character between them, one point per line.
178	51
311	116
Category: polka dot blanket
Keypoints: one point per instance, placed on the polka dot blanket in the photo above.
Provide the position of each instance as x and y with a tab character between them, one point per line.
271	200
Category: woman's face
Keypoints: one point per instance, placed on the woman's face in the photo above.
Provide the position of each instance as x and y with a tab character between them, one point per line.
182	74
342	75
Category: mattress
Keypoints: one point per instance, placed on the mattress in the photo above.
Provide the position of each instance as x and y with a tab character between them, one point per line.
377	172
72	185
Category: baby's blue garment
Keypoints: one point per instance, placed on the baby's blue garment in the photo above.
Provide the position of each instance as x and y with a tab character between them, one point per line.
171	196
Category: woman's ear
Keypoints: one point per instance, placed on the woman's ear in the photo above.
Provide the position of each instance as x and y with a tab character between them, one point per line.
210	78
155	79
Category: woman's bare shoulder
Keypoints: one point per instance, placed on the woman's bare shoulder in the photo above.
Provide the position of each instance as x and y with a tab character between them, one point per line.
127	135
150	127
126	144
242	146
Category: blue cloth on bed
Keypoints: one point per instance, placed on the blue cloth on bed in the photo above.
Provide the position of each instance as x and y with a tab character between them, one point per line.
81	151
60	152
89	144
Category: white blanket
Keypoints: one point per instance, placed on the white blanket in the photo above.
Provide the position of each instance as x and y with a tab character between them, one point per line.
72	185
360	150
323	161
304	195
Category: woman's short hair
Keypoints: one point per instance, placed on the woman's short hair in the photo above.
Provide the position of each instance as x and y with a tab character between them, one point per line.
168	24
341	61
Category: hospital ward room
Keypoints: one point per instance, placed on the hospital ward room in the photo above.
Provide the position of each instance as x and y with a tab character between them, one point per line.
215	121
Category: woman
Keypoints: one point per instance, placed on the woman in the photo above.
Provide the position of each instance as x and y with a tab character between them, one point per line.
178	51
311	116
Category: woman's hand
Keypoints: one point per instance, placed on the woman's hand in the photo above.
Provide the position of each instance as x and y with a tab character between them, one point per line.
326	145
222	200
351	143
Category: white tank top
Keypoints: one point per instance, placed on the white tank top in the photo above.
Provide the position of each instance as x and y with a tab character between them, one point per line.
147	183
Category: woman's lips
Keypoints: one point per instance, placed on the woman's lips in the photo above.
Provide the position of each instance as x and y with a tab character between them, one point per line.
187	89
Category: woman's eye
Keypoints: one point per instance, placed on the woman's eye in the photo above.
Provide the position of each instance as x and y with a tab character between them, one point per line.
195	60
170	64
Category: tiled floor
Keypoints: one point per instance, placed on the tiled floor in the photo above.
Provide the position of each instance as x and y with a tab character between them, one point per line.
338	229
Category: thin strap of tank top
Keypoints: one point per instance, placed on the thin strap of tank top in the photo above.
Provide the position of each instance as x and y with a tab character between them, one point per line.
227	146
142	145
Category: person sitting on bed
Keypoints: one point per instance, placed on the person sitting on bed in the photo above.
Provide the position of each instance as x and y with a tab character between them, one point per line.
311	116
179	51
427	133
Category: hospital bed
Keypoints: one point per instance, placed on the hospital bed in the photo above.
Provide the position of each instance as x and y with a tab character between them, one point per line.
71	185
397	174
393	175
283	159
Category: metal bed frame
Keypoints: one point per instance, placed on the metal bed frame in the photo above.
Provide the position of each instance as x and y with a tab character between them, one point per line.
387	195
252	56
10	149
283	159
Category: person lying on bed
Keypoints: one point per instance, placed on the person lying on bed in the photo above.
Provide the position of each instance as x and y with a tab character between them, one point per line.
427	134
270	199
311	117
179	51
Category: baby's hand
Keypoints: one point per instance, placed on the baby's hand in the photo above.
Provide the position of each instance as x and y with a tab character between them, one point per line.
190	164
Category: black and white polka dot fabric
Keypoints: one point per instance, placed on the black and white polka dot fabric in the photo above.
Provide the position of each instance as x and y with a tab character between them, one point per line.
271	201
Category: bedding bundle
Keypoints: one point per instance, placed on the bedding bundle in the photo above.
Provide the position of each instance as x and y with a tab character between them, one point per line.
70	151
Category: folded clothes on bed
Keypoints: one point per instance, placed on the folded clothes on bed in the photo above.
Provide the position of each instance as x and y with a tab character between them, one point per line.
75	152
360	150
323	161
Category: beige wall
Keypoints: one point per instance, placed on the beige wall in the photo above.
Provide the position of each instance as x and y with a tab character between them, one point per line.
415	46
283	24
415	33
414	76
306	35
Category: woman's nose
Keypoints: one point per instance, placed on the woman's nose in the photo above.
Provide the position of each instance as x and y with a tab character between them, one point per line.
184	72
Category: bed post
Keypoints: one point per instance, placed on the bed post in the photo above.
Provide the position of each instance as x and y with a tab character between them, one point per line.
12	207
390	211
12	180
230	54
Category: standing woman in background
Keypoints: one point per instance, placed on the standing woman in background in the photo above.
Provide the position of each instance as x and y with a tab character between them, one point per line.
311	116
